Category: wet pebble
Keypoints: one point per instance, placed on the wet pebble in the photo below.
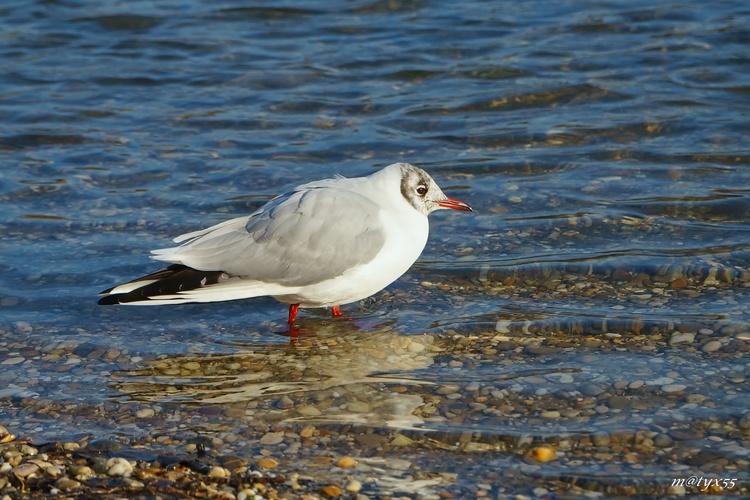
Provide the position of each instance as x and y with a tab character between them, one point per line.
54	471
118	467
401	440
67	484
673	387
12	361
232	462
711	346
591	390
358	407
267	463
82	472
681	338
5	436
25	470
415	347
285	402
308	411
307	431
346	463
686	434
618	402
542	454
145	413
600	438
332	491
353	486
271	438
218	472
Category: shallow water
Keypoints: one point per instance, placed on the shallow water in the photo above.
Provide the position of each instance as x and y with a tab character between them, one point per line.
596	301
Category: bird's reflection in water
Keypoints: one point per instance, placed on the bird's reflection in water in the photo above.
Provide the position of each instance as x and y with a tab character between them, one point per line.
336	374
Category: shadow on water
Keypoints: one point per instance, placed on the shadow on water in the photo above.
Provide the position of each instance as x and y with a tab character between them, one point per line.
338	374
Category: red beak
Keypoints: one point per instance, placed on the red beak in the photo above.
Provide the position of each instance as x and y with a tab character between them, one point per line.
455	205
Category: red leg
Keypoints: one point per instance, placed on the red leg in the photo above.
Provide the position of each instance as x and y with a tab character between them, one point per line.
336	312
293	308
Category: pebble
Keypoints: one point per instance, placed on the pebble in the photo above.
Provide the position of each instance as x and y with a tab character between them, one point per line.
307	431
271	438
67	484
308	411
5	436
8	301
25	470
346	463
682	338
285	402
477	447
401	440
267	463
711	346
551	414
660	381
13	361
353	486
673	387
591	390
600	438
82	472
145	413
663	441
119	467
331	491
542	454
54	471
618	402
358	407
415	347
218	472
686	434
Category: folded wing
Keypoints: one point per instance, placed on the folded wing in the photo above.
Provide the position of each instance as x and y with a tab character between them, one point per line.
304	237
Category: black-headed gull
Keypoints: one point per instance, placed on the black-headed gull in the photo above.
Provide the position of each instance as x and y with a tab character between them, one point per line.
324	244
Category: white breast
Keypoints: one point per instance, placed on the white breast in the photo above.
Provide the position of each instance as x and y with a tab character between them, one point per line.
406	238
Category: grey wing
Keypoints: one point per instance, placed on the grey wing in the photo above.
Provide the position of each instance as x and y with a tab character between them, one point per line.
297	239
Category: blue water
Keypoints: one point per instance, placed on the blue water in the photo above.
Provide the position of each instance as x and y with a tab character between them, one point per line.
603	146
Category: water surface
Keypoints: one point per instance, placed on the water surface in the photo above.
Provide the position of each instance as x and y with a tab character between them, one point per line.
596	302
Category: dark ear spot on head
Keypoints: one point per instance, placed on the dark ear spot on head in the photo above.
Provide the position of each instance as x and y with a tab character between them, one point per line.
405	188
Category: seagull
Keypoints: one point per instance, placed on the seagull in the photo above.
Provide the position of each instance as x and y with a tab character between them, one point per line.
323	244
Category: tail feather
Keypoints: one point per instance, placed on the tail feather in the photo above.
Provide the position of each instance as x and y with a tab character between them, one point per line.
169	281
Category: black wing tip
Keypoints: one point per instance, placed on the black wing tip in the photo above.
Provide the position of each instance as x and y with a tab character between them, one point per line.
172	280
110	300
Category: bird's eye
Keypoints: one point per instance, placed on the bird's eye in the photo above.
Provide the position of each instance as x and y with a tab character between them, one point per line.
421	190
